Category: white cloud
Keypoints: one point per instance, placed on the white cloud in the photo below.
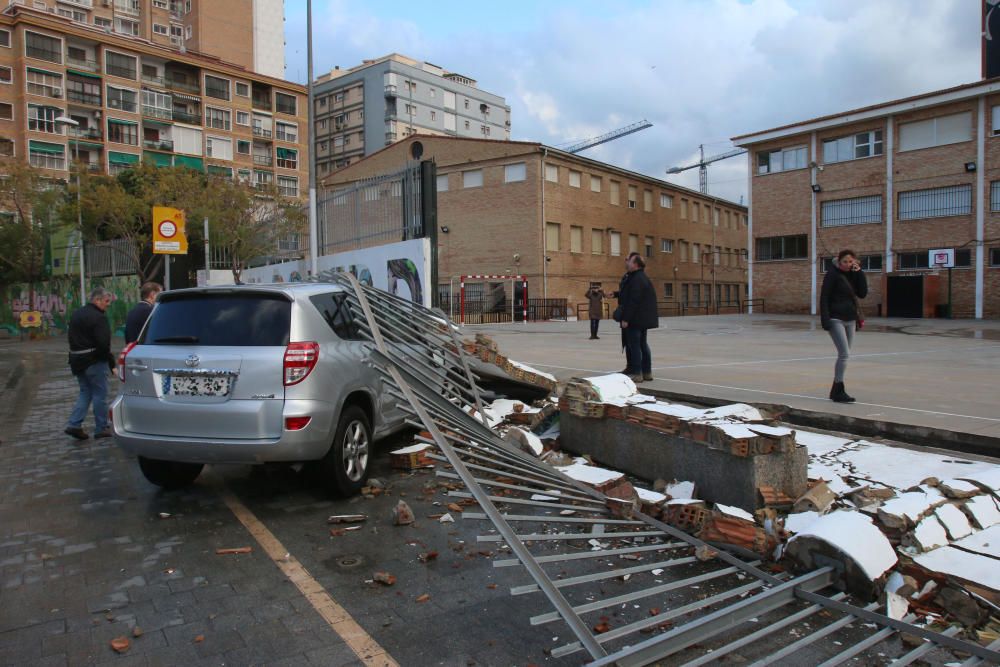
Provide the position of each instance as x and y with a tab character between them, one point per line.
700	71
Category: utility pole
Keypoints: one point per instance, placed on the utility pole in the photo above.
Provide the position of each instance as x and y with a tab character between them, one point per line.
310	117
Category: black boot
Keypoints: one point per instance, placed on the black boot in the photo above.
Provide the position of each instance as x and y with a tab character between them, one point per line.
839	395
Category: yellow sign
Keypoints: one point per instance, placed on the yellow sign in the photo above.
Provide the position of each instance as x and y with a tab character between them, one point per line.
169	237
31	318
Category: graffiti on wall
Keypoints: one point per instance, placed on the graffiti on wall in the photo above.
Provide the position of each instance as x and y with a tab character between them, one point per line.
56	300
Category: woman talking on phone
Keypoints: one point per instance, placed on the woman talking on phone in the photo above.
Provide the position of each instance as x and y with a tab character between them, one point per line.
840	310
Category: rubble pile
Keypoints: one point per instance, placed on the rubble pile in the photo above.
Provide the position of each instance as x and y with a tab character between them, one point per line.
486	350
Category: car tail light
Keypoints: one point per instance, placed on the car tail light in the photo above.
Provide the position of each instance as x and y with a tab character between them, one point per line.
296	423
121	360
300	359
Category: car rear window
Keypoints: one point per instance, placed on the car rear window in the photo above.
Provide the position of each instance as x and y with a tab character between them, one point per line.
220	320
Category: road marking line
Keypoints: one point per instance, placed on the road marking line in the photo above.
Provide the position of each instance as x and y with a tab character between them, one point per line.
367	649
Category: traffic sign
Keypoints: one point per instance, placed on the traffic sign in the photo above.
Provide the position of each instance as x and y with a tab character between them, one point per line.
169	237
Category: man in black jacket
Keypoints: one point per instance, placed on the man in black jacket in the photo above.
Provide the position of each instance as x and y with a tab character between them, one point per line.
90	359
638	316
136	318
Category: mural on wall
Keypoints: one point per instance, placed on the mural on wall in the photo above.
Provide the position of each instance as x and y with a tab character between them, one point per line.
401	268
55	301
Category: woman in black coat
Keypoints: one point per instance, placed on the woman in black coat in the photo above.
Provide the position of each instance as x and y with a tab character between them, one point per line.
843	287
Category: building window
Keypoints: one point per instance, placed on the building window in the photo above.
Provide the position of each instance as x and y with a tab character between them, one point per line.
715	217
217	118
6	111
442	183
633	243
514	172
243	118
867	262
287	158
666	201
120	65
863	144
44	155
243	89
647	201
574	179
123	132
668	291
43	119
6	75
596	241
935	202
782	247
472	178
632	195
216	87
5	38
285	103
286	132
616	193
552	173
42	47
648	246
160	29
772	162
46	84
157	105
666	245
551	236
911	260
595	183
994	256
684	209
288	186
696	253
126	27
123	99
219	148
853	211
616	244
576	239
102	22
243	147
685	248
995	196
938	131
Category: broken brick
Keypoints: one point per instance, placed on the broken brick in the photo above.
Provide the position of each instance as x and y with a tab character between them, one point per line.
120	644
384	578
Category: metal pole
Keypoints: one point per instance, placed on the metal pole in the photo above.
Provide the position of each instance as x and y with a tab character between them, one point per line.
79	225
208	263
166	272
310	118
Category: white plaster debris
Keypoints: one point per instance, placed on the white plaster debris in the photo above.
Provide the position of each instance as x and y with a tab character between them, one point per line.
911	505
733	430
963	564
539	496
529	369
447	518
929	534
958	488
984	510
412	449
673	410
856	536
986	542
954	521
613	386
903	468
737	512
820	443
989	477
647	496
894	582
679	490
734	411
526	437
590	474
796	523
683	501
896	606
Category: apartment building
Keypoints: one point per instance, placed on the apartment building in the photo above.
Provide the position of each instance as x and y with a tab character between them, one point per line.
363	109
132	100
891	181
564	220
248	33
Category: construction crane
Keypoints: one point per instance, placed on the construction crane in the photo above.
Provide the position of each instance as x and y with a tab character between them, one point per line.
702	165
610	136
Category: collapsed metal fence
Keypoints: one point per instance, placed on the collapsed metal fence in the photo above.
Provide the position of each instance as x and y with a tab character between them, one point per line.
668	600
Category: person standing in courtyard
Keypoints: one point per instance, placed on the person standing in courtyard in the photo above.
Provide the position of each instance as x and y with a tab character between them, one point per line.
638	316
137	317
90	360
595	304
840	311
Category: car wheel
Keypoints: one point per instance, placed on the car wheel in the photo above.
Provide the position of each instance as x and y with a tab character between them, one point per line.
169	474
347	460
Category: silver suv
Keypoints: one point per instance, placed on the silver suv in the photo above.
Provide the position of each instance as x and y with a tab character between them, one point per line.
251	374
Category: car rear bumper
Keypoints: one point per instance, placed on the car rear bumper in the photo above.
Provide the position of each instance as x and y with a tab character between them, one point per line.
308	444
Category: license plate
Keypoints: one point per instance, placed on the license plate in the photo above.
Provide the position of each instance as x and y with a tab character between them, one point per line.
211	385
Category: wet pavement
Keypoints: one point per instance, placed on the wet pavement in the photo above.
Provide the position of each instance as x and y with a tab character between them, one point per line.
932	373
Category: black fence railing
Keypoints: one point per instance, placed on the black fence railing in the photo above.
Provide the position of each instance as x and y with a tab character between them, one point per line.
671	308
492	311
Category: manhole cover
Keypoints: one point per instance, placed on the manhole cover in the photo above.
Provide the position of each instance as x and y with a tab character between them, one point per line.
348	562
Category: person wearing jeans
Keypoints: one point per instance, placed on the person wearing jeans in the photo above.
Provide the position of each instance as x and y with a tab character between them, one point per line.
843	287
90	360
638	316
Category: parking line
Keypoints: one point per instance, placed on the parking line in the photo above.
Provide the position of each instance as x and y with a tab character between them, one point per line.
367	649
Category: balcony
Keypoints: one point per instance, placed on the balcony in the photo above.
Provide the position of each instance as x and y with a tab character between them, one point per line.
85	133
82	63
291	137
390	137
263	160
41	53
86	4
157	112
185	117
390	91
262	132
151	78
158	144
127	7
79	97
182	84
261	102
288	163
121	72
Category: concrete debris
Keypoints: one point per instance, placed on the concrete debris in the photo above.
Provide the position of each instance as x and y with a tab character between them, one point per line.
446	518
384	578
677	489
928	534
525	440
796	523
954	521
233	551
906	510
983	510
772	497
346	518
817	499
958	488
556	458
402	515
411	458
960	606
896	606
739	532
736	512
705	553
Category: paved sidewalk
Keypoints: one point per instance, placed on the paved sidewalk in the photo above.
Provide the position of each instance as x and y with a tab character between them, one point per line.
935	373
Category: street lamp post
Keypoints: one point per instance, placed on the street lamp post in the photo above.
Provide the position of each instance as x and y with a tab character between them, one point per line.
69	122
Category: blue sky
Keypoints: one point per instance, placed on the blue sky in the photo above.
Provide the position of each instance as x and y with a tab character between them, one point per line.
700	70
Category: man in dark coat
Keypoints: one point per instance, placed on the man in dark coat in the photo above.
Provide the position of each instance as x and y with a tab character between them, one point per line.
137	317
638	316
90	359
